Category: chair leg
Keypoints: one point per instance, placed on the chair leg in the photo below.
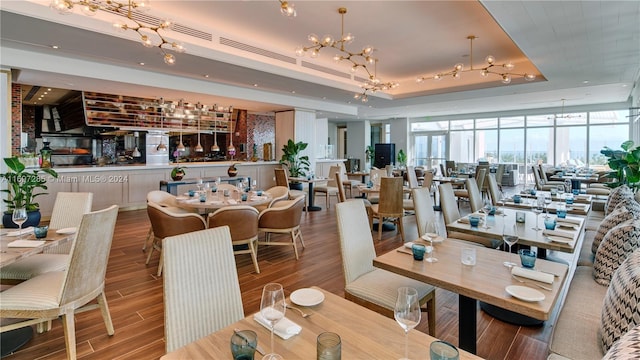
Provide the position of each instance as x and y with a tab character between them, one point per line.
400	227
106	315
160	263
380	222
293	240
69	328
253	246
299	233
153	247
148	239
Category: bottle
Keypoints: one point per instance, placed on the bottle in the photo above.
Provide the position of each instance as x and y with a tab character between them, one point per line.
45	156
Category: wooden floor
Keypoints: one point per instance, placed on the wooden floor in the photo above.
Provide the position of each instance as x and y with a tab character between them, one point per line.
135	299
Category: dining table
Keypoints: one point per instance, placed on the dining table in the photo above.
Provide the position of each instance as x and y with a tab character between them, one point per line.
364	334
565	238
217	200
488	281
311	198
575	208
579	199
14	248
576	179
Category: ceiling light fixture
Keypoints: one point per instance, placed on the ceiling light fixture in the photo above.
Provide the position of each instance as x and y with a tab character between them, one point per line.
490	68
150	35
161	147
287	9
357	59
374	84
199	147
562	115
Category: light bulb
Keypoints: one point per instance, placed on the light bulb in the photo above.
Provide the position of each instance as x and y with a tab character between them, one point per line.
314	53
529	77
300	51
348	38
142	5
419	80
313	38
490	59
367	50
337	57
506	79
63	7
437	77
146	41
458	67
509	66
484	73
169	59
327	40
178	47
199	148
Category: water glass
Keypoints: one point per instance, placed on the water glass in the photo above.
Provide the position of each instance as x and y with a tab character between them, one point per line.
520	216
243	344
328	346
40	231
442	350
569	199
527	258
203	196
244	197
259	192
517	199
192	193
474	220
468	256
418	251
561	212
549	223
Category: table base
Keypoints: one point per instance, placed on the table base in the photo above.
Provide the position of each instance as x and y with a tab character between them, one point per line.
15	339
312	208
385	227
509	316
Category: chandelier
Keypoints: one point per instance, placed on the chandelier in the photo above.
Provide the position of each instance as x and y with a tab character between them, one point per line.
287	9
563	115
150	35
357	59
502	70
374	84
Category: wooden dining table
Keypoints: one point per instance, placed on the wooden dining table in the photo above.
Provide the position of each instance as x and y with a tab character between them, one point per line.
486	281
526	234
9	255
364	334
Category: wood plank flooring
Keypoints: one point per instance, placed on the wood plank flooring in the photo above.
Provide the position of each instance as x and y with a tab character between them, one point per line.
135	298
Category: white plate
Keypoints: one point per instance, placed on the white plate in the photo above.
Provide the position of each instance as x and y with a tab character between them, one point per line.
559	239
524	293
437	239
307	297
67	231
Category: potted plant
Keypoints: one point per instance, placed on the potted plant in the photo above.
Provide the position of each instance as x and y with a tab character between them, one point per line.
20	191
402	158
370	153
297	164
177	173
624	164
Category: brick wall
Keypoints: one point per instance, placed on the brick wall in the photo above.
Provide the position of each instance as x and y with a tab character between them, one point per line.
260	130
16	118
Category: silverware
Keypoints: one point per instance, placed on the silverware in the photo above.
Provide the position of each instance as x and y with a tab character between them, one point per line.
302	313
531	283
257	347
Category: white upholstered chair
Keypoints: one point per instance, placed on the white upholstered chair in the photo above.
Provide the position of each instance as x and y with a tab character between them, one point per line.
63	293
366	285
475	195
423	206
68	210
201	295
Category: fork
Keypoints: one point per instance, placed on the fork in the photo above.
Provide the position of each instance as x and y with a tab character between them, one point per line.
302	313
531	283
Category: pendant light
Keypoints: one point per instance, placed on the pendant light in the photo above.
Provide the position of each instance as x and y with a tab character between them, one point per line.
199	146
231	150
161	147
215	147
136	152
181	147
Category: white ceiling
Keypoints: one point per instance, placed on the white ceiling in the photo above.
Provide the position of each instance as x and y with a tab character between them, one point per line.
587	52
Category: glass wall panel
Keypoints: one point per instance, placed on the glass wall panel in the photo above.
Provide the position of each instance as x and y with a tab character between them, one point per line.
461	146
487	123
539	120
486	145
461	125
540	145
512	146
609	117
511	122
430	126
612	135
571	146
571	119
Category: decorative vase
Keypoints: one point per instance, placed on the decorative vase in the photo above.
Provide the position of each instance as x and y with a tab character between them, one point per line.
33	219
178	176
232	170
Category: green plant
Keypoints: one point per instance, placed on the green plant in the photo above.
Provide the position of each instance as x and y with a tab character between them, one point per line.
370	153
21	184
402	158
298	165
624	164
177	170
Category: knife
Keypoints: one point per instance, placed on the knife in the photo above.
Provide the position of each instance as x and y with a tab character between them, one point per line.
258	347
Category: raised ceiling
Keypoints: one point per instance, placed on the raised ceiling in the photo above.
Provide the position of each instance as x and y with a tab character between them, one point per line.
584	51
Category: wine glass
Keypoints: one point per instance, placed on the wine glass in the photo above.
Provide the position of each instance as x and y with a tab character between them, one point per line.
218	181
431	231
272	309
503	201
407	313
510	237
254	185
537	207
19	217
547	202
199	184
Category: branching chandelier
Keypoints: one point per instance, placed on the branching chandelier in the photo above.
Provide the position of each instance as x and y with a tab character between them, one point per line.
502	70
150	35
287	9
374	84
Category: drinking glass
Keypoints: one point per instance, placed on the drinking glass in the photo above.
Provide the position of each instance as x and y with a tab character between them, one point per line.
19	217
431	231
503	200
272	309
510	237
199	184
537	207
407	313
254	185
547	202
560	190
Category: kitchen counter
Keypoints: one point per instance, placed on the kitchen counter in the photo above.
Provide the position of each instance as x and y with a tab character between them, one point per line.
186	165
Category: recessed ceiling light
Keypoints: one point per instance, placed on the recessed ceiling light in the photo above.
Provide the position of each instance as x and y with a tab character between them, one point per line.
49	89
255	85
141	63
206	75
585	82
46	93
293	91
624	85
55	46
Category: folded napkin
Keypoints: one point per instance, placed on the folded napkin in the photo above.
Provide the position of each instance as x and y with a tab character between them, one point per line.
532	274
28	230
582	197
561	233
26	243
570	220
284	328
